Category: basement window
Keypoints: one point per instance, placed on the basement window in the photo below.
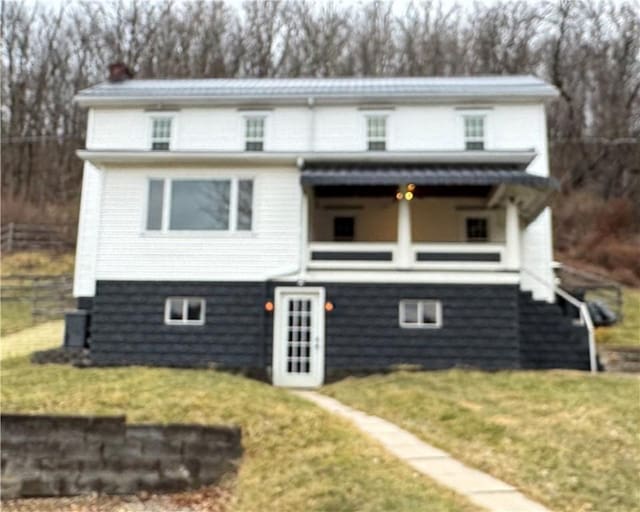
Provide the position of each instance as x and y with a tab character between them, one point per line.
254	133
160	133
420	314
377	133
474	128
184	311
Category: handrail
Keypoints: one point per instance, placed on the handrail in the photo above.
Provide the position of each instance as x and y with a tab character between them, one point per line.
585	317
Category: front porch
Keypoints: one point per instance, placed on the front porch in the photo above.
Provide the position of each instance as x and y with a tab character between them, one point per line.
411	227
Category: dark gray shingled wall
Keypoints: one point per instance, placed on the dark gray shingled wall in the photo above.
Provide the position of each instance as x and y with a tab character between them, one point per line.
480	326
127	325
549	338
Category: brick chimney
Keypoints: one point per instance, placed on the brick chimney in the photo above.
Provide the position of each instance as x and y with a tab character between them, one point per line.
119	72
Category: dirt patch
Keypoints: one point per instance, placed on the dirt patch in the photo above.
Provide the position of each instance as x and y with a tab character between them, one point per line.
206	499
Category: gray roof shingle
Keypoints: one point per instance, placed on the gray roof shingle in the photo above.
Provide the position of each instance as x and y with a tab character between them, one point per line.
329	88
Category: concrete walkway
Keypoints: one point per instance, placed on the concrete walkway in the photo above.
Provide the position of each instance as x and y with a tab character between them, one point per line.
480	488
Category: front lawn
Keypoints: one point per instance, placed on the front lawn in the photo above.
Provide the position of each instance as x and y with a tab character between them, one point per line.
297	457
567	439
41	337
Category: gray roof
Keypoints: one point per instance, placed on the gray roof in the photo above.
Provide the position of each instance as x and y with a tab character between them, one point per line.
282	89
424	174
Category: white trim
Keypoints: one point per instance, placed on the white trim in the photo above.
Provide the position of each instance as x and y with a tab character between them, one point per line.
373	114
420	324
315	377
171	158
483	117
250	115
398	276
184	321
512	235
173	128
232	226
232	219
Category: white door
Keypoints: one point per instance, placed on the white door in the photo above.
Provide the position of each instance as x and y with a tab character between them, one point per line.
298	337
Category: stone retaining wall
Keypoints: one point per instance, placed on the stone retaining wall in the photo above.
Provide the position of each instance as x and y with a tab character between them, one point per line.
46	455
620	359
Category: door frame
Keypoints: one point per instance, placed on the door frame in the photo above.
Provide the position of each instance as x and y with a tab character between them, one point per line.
279	375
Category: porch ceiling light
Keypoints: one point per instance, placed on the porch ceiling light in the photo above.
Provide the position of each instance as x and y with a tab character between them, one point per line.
399	196
411	187
408	195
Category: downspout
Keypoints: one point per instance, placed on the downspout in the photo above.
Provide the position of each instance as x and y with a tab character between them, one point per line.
303	213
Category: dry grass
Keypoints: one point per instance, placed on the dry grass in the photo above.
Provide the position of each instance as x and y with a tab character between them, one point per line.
15	316
40	337
627	332
297	457
569	440
37	263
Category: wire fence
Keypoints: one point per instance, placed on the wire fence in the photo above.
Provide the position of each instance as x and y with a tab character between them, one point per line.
25	237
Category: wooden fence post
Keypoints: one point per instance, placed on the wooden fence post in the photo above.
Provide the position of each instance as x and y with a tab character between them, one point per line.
10	237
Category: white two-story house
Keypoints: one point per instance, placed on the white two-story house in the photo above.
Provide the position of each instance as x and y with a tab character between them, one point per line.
309	227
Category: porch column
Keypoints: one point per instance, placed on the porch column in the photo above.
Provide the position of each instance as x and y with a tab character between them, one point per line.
512	232
304	230
404	255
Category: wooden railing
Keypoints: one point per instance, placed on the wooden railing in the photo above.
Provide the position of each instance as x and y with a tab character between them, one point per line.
21	237
424	256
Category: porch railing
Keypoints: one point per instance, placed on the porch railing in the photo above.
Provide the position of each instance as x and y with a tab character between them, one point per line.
369	255
383	255
455	255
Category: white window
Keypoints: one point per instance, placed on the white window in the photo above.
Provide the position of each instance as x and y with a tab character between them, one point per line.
476	229
474	132
254	133
420	313
184	311
200	205
377	133
160	133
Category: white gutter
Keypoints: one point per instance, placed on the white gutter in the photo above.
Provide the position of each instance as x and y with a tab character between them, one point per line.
125	156
88	100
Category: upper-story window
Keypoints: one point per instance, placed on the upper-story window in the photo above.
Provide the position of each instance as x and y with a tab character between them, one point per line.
161	133
474	132
254	133
377	133
200	205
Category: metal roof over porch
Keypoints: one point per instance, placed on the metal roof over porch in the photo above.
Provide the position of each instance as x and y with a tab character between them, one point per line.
424	174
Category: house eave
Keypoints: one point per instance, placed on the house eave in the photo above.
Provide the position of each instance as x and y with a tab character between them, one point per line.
136	157
90	101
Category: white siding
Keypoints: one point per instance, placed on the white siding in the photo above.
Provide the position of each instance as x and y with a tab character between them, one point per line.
337	128
88	227
111	241
127	252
